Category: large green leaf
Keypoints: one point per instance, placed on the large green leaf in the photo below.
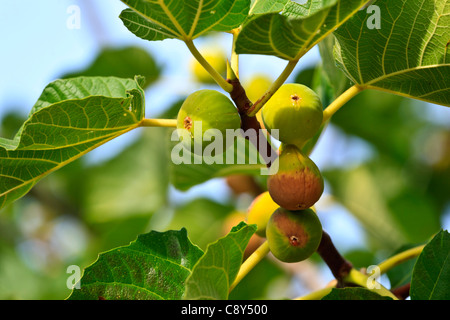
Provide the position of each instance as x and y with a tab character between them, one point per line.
295	28
431	274
215	271
182	19
71	118
336	79
267	6
408	55
155	267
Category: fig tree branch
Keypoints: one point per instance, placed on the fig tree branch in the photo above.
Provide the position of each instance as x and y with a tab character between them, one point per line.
402	292
243	104
345	274
339	266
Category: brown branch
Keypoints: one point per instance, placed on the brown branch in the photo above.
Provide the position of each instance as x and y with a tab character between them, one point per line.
402	292
243	104
338	265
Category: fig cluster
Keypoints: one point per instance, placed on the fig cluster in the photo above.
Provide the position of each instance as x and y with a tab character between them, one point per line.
293	230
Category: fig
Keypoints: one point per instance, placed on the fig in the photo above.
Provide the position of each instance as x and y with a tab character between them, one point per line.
216	59
203	111
260	210
296	111
293	236
298	183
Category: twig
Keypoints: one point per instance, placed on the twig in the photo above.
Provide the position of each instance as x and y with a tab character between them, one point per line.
243	103
402	292
339	266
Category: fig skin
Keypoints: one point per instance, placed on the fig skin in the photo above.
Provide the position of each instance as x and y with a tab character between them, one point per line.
293	236
214	110
260	210
298	184
296	111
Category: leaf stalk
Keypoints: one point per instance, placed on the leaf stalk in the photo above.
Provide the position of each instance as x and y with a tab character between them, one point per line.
341	101
250	263
253	110
167	123
205	64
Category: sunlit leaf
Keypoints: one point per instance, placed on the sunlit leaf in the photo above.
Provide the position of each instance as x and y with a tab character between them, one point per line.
407	55
182	19
214	273
71	118
431	274
295	28
154	267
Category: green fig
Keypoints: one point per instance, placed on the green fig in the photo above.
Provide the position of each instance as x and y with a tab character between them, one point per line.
298	183
293	236
296	111
206	115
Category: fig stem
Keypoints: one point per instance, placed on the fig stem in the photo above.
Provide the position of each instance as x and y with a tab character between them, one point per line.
234	56
205	64
316	295
253	110
360	279
340	101
356	277
250	263
167	123
399	258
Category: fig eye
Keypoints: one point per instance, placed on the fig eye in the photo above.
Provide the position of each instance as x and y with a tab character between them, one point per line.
293	240
295	111
187	123
293	236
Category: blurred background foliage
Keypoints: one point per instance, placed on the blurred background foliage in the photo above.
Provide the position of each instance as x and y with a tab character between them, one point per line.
386	161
